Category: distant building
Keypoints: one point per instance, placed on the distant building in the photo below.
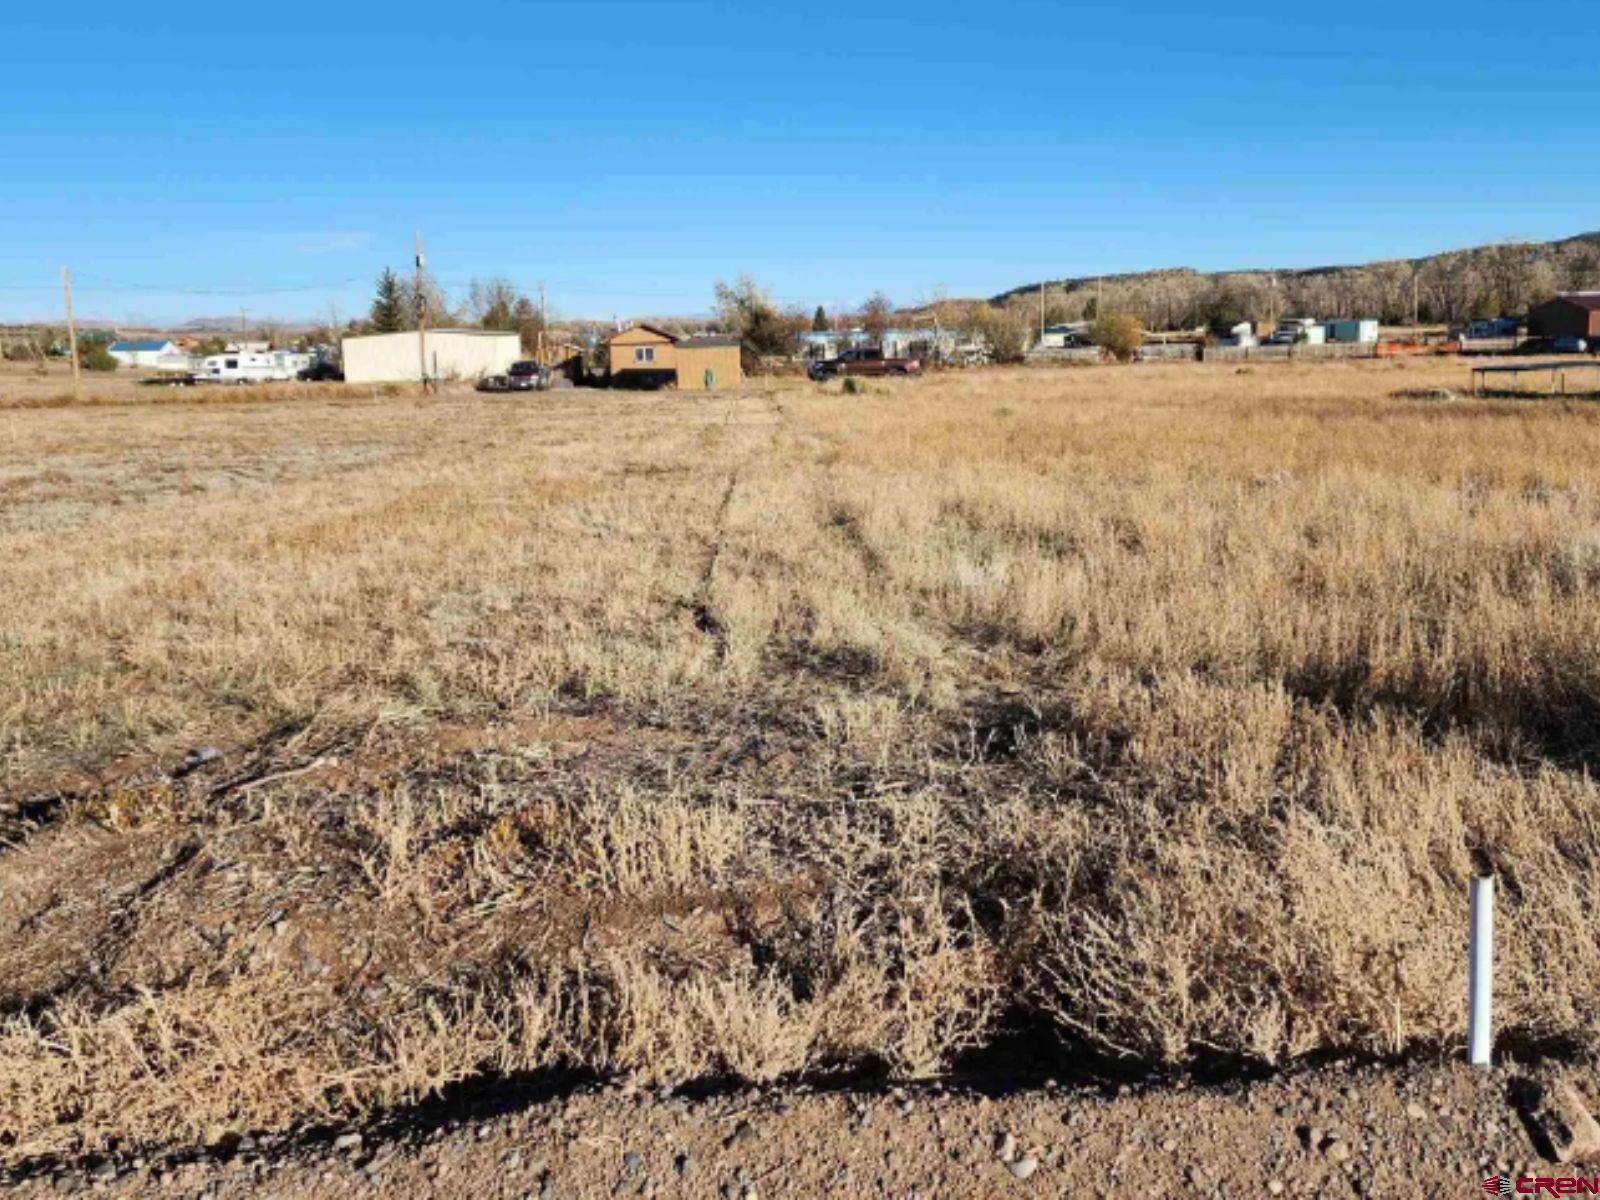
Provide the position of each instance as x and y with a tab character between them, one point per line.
927	343
647	357
1360	332
1060	337
1298	331
146	353
1571	314
830	343
467	354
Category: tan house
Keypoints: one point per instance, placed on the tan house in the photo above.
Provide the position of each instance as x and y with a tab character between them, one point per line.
646	357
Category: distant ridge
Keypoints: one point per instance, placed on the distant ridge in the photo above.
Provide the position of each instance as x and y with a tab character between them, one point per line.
1536	250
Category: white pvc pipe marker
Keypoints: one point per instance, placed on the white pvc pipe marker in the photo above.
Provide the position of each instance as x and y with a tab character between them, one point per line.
1480	971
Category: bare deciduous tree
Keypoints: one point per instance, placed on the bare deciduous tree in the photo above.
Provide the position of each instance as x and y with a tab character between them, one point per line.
876	316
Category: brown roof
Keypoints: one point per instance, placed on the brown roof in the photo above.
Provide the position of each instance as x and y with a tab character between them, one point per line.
655	329
1588	301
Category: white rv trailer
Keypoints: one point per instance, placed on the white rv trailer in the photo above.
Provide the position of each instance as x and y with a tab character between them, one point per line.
242	367
292	361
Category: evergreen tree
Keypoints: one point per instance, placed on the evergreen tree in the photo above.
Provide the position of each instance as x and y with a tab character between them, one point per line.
388	306
819	323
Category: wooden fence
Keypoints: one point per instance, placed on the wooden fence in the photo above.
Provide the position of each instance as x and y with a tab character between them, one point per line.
1064	354
1334	350
1169	352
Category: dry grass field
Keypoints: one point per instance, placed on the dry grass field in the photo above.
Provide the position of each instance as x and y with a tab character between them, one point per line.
1159	711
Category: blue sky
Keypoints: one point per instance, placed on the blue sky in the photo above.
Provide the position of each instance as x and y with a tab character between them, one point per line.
629	154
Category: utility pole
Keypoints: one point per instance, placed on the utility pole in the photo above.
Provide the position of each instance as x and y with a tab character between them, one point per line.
543	321
422	314
1041	314
1416	296
72	334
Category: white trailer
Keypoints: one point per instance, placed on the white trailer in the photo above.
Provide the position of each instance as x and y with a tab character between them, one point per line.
243	367
292	361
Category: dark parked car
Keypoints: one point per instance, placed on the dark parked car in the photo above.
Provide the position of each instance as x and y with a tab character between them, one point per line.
324	370
867	360
526	376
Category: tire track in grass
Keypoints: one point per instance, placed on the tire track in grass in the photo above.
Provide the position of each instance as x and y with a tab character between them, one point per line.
701	609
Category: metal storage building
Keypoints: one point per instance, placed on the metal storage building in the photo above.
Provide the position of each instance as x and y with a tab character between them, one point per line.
465	354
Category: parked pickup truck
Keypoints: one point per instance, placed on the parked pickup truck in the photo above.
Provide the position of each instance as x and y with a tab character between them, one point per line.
526	376
863	361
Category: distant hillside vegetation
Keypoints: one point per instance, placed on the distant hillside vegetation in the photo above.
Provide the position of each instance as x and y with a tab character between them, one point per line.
1454	286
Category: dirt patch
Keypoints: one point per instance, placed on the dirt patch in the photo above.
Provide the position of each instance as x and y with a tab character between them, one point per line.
1333	1132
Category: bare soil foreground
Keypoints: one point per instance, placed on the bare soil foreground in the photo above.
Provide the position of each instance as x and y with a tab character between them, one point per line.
1336	1132
359	749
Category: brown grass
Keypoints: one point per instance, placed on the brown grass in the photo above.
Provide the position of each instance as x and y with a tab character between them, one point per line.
749	736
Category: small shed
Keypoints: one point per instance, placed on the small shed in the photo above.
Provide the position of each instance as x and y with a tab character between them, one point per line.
709	363
1361	332
1571	314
